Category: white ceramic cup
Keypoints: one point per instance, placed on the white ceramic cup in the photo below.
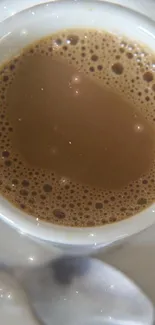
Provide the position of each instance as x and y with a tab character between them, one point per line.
29	25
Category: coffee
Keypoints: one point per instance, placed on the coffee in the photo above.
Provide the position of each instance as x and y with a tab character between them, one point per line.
77	128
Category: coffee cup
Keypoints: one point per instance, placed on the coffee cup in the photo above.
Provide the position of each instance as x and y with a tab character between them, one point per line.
32	24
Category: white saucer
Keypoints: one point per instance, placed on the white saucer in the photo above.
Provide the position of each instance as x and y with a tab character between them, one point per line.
136	257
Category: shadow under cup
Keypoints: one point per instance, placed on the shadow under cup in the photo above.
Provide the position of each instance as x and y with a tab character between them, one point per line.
30	25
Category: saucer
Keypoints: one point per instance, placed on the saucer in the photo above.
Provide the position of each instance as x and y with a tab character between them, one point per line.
135	257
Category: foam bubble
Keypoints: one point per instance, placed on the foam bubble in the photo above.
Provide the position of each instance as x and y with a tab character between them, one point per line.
117	68
148	76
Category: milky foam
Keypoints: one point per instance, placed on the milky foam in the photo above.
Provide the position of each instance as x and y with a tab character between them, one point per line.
118	64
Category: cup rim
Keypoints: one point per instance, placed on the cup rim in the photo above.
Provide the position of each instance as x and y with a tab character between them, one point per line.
90	236
85	236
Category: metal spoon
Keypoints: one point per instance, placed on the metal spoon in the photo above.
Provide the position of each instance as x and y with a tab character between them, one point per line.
83	291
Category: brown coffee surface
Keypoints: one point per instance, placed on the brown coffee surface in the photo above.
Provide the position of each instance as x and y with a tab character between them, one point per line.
77	133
